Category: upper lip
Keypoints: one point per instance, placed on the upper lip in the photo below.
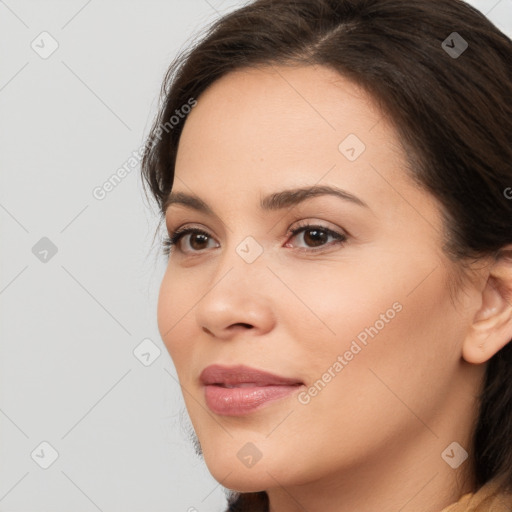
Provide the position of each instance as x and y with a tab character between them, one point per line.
232	375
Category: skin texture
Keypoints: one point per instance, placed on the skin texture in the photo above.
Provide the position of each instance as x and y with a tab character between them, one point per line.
372	438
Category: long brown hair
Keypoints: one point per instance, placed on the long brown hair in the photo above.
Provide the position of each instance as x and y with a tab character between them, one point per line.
453	113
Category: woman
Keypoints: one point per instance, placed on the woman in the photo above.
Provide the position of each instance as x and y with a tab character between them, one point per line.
335	178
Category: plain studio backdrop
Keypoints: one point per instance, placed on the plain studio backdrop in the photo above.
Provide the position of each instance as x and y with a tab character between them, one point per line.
90	409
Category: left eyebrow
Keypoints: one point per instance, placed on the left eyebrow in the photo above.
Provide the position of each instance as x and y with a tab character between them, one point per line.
287	198
275	201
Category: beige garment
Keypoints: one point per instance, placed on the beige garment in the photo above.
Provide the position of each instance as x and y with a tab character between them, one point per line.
486	499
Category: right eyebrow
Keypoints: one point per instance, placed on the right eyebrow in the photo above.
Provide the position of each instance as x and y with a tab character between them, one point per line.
190	201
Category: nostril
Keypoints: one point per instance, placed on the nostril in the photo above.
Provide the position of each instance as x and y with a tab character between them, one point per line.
249	326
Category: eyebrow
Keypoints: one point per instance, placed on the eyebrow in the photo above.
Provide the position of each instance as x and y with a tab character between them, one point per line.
275	201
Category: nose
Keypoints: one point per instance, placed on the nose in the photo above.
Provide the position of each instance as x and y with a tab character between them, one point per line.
237	300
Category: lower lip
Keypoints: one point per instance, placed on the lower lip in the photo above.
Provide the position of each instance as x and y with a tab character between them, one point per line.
239	401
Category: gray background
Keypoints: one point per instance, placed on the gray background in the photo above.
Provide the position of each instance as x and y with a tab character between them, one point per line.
70	321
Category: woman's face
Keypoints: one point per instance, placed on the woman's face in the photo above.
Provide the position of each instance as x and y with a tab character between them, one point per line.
356	309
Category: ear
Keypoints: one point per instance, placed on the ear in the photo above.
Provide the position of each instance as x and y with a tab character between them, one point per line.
491	329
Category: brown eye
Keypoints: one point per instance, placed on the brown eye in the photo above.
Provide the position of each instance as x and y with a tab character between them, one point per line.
317	237
197	240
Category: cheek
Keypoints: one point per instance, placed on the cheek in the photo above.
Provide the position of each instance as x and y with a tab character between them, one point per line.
175	303
399	339
326	307
392	336
395	319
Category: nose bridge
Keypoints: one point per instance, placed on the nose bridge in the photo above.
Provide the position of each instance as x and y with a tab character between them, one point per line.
241	268
242	253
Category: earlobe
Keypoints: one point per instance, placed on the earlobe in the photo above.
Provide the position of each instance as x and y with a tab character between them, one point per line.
487	337
491	329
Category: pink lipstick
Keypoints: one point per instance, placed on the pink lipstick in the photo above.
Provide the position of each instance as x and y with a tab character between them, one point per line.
239	390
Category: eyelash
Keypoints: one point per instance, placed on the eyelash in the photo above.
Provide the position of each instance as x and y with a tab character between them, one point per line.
173	239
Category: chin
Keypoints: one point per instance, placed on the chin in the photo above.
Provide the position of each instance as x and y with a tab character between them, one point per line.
240	480
230	472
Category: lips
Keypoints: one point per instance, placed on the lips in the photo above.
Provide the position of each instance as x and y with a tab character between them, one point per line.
242	376
239	390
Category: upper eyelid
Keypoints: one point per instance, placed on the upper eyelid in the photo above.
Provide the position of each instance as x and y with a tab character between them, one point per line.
302	224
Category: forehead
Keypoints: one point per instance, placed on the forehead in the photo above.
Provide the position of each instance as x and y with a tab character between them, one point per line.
260	130
281	108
